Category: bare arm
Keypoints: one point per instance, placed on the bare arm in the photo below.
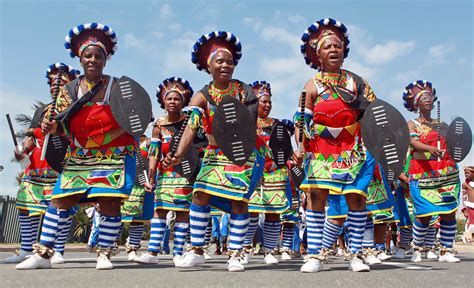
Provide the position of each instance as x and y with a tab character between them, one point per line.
421	146
310	96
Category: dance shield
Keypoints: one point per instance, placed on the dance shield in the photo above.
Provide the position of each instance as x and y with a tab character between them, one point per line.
235	130
386	136
141	168
56	151
280	144
131	106
459	139
297	175
189	163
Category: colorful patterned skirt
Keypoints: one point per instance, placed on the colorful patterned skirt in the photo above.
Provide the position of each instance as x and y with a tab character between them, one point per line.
34	195
380	201
172	192
226	181
93	177
352	180
139	206
272	194
291	215
434	196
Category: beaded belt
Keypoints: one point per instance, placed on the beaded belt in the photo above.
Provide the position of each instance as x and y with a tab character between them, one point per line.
335	132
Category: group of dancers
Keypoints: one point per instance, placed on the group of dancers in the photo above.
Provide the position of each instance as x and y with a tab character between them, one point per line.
215	152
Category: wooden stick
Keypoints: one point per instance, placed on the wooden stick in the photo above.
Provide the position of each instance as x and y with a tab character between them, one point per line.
12	131
301	121
52	112
438	127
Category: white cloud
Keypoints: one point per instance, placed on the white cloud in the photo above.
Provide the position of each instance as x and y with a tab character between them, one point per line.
254	23
297	19
360	69
131	41
381	53
437	53
166	12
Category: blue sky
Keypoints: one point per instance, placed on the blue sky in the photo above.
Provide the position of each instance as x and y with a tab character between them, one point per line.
392	43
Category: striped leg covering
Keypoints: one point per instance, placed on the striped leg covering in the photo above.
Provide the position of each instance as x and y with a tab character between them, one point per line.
239	224
287	239
405	237
368	240
63	236
135	235
35	227
52	220
109	228
208	234
419	233
330	233
271	233
157	232
447	233
253	225
199	219
180	231
430	237
94	236
314	229
25	232
356	221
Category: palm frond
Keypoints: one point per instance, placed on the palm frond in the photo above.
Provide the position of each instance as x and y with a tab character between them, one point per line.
24	120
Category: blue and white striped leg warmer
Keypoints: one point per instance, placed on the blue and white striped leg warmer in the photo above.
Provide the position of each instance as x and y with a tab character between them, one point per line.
35	227
199	219
368	240
330	233
405	237
63	235
314	228
356	221
157	232
109	228
135	233
271	233
430	237
119	233
239	223
379	246
25	232
180	232
419	233
447	233
49	230
287	239
253	224
94	236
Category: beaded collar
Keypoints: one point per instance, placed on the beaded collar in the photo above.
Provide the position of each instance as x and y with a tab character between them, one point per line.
329	78
218	94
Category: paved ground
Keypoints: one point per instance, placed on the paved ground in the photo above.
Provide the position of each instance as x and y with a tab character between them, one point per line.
79	271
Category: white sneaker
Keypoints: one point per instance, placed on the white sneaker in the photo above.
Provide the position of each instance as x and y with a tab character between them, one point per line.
431	255
400	254
18	257
383	256
191	259
416	257
270	259
312	266
177	259
34	262
372	260
103	262
285	256
234	264
132	255
245	259
358	265
448	257
57	258
207	256
147	258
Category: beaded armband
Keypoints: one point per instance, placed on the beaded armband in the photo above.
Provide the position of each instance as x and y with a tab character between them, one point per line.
195	118
155	148
307	118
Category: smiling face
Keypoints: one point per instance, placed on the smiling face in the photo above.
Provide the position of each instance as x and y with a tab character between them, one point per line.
93	62
173	103
222	66
331	55
264	106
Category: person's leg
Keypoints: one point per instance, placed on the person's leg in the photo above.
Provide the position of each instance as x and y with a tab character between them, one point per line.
157	231
239	223
357	221
110	223
271	232
181	227
420	228
447	235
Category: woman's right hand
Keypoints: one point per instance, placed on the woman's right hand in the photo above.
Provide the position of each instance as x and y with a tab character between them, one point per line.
436	152
171	161
150	187
19	155
49	127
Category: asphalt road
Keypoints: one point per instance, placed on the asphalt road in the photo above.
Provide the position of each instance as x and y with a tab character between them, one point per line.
79	271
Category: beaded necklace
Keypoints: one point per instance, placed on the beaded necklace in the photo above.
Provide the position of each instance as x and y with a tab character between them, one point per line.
218	94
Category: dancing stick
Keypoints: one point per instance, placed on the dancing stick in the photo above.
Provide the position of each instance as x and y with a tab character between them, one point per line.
52	111
301	120
178	137
438	127
141	160
12	131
